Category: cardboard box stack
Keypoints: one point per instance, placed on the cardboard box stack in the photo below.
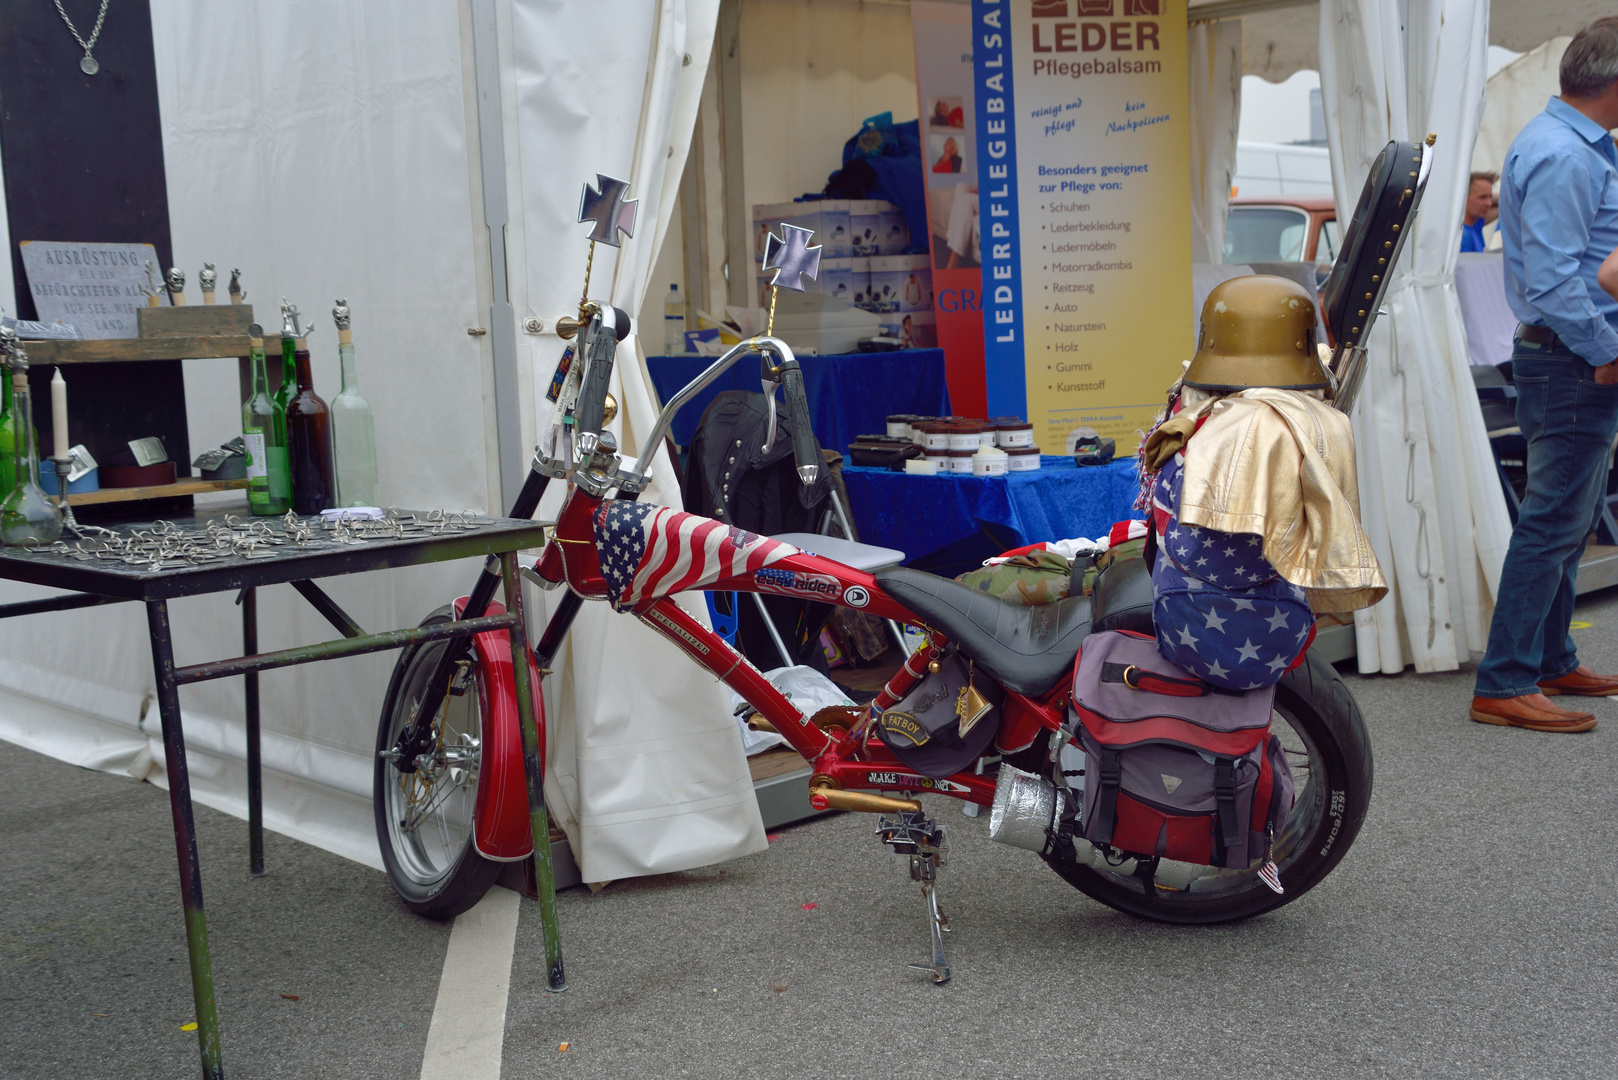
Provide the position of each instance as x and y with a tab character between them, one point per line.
861	261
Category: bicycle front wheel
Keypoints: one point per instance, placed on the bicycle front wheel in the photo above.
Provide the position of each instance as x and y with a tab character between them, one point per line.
424	818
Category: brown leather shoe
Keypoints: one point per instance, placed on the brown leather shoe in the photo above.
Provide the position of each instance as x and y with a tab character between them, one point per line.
1581	682
1531	711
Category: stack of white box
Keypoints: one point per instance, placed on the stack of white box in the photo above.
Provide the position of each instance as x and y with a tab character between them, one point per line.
860	262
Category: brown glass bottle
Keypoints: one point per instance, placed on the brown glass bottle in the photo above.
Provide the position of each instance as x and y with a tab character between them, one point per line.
309	442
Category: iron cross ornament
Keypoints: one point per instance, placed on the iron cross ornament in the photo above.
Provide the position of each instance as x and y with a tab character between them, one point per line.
791	257
607	209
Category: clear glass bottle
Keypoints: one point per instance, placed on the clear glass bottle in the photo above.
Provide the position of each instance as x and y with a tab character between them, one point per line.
264	431
674	321
308	440
353	430
27	517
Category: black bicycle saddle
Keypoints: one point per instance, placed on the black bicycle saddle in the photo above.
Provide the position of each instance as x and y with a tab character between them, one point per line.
1027	649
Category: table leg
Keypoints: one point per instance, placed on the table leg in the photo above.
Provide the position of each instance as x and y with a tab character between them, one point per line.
538	819
255	771
185	839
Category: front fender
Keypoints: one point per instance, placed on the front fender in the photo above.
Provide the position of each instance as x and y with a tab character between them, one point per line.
501	829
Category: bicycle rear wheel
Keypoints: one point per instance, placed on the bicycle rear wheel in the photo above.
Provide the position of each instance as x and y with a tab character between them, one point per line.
1329	753
424	819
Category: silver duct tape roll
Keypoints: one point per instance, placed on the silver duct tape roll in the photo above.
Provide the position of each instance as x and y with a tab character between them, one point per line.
1024	810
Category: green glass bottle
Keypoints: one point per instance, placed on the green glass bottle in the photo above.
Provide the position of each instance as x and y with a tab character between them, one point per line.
289	346
353	431
8	470
27	517
269	489
291	332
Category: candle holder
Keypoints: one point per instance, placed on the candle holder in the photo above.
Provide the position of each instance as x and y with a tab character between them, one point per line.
63	466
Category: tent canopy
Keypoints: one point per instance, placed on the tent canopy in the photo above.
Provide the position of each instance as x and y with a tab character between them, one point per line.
1282	36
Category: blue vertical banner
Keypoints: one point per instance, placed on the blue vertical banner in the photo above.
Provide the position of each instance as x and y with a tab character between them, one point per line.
1005	369
1084	190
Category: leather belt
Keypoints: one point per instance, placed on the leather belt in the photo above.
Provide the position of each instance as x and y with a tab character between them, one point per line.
1539	335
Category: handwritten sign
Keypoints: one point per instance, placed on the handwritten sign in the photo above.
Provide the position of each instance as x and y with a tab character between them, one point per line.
95	287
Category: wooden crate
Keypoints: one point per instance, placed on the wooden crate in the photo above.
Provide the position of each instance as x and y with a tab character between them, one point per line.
206	320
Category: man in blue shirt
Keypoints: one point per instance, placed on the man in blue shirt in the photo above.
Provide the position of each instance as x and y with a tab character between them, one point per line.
1481	208
1559	220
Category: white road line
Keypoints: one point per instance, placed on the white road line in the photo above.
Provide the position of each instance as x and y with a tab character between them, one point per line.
469	1019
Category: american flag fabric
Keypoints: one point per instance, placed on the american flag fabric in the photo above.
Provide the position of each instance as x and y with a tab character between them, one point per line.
1233	560
650	551
1222	611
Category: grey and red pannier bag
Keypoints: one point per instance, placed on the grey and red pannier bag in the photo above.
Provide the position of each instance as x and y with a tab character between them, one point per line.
1175	767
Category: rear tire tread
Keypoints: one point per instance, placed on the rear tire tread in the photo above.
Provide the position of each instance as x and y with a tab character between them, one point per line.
1315	695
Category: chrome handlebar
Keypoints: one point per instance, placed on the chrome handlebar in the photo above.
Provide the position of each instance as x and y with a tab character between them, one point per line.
639	475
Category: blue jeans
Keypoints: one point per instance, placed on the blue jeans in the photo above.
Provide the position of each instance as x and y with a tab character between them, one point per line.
1569	422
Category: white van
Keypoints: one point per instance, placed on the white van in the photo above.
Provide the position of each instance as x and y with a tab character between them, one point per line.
1280	169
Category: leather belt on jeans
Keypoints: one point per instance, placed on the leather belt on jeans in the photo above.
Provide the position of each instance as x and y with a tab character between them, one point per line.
1539	335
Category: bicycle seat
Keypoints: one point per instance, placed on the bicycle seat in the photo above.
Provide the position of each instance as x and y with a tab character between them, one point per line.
1027	649
1122	597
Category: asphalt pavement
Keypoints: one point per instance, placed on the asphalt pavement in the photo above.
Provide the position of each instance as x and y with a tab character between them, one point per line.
1470	932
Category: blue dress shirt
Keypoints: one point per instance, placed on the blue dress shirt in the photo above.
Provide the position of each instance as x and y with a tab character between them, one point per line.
1472	236
1559	220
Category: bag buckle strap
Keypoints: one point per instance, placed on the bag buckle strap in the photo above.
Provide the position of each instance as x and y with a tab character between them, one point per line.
1138	678
1225	800
1106	808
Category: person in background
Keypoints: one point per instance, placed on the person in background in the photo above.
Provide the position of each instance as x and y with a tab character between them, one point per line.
1481	208
1560	224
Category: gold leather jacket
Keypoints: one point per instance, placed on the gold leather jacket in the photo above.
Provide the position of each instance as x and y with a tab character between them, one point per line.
1279	464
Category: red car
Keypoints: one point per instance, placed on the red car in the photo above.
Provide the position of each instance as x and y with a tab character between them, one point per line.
1283	228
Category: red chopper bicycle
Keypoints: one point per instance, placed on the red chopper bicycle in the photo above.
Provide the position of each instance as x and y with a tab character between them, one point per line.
450	799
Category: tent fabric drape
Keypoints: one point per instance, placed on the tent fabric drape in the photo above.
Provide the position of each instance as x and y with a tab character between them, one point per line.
1516	94
337	164
1429	496
645	769
324	164
1216	110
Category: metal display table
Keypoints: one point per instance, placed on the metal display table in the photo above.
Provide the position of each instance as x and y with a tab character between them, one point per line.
224	550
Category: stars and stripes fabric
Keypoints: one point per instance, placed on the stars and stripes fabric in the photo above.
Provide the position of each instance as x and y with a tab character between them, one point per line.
1234	560
650	551
1222	611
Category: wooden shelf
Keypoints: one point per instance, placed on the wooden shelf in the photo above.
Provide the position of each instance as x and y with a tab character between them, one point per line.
157	491
112	350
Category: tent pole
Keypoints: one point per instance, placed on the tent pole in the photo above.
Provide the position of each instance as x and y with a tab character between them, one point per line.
502	318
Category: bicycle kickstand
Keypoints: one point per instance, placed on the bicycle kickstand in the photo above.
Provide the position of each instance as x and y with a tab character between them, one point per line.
924	842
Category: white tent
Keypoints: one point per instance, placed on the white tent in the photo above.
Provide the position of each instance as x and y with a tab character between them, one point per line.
1515	95
1280	37
1429	497
397	156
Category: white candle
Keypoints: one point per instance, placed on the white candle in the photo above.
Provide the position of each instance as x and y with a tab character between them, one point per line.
59	414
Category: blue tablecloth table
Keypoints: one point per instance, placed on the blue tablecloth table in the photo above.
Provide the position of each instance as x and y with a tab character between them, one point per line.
925	516
850	394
